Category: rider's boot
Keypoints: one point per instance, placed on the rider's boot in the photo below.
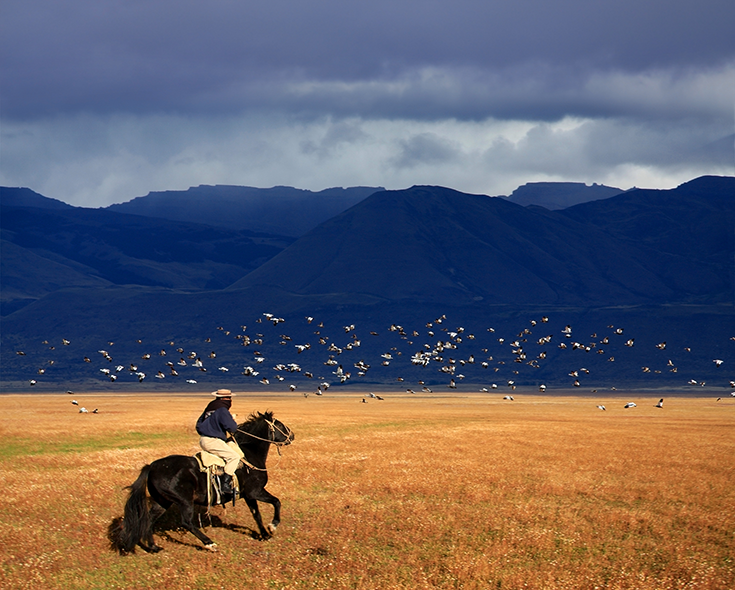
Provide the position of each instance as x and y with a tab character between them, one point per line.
226	484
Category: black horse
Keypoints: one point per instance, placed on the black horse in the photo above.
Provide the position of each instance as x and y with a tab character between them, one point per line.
177	479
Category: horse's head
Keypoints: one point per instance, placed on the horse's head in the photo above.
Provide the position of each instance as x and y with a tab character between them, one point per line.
279	433
263	426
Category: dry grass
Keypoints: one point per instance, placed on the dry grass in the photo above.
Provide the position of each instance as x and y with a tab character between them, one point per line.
410	492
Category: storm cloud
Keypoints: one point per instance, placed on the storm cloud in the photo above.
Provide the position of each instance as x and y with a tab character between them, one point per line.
102	102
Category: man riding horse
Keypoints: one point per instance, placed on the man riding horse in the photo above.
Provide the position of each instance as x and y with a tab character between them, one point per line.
214	426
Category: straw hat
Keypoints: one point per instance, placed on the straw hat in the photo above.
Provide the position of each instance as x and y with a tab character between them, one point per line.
222	393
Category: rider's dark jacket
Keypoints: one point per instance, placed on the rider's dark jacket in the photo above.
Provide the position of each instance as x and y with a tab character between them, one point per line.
216	421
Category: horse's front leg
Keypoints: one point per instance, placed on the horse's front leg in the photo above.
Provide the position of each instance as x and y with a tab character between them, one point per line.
255	511
264	496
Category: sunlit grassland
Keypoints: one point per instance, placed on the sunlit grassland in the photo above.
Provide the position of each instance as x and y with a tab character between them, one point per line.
410	492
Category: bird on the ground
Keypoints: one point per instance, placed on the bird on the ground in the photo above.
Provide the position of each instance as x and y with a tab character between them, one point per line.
630	405
508	397
601	408
660	403
75	402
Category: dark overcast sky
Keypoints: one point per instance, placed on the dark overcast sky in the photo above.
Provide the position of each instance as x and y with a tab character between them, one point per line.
105	101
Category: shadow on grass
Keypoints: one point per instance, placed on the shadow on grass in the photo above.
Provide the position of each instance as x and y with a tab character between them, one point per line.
170	522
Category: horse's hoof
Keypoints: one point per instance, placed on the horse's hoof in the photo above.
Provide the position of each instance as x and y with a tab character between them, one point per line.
155	549
212	547
271	528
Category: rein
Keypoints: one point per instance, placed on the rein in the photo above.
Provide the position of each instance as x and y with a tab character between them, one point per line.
272	429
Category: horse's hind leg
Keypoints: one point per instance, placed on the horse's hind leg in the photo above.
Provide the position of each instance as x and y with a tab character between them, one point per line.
156	511
187	521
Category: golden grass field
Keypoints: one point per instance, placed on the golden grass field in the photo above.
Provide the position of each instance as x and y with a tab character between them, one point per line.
466	491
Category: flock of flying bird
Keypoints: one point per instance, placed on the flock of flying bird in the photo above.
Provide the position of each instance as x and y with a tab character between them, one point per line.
441	351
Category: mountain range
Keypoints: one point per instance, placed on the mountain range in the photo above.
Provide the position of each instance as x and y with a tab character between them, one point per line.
560	195
94	276
433	244
281	210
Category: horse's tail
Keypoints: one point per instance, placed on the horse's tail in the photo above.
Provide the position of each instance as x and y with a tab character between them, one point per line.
126	533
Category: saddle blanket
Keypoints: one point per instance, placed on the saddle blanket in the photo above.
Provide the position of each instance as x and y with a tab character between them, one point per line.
215	466
207	459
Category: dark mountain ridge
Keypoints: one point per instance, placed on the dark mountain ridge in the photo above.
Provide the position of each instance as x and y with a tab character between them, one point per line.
47	247
25	197
279	210
560	195
434	244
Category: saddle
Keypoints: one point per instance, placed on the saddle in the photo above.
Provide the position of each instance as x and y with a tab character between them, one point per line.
214	466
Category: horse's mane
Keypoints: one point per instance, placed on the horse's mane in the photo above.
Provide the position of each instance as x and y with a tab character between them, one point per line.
255	419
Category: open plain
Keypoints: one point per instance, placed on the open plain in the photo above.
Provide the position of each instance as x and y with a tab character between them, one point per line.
463	491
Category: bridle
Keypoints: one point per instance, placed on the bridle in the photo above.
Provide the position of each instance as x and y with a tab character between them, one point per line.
272	428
